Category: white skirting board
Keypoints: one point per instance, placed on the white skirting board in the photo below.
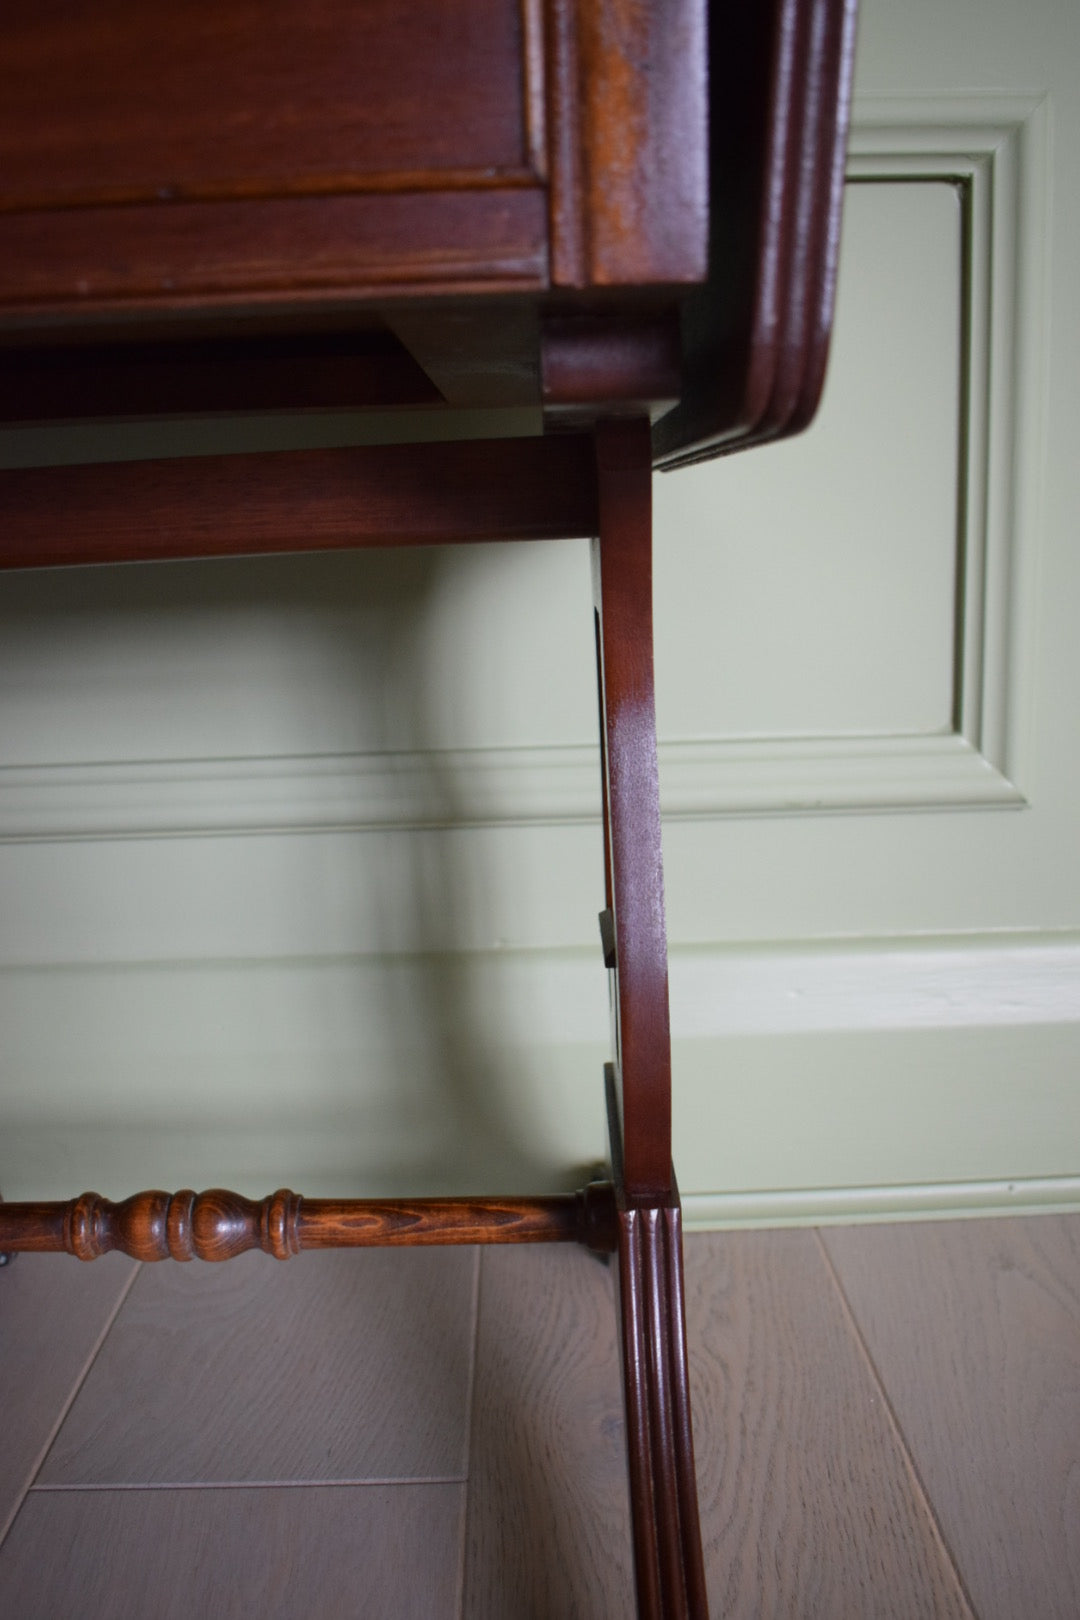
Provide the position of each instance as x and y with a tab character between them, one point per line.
838	1206
826	1082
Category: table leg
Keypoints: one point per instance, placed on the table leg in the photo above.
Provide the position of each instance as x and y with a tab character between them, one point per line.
668	1562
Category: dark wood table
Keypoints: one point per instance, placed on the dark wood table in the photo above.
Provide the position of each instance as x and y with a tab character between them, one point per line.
623	212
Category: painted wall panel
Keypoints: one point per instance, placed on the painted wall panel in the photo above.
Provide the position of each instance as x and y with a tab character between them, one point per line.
309	846
810	590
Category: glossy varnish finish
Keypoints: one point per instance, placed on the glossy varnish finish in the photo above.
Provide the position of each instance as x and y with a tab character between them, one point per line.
669	1573
606	200
425	494
668	1563
627	116
756	337
622	571
283	252
218	1225
234	153
124	102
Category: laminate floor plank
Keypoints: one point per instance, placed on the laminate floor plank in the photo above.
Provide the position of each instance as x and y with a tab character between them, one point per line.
315	1553
974	1327
548	1523
809	1506
343	1366
53	1313
820	1366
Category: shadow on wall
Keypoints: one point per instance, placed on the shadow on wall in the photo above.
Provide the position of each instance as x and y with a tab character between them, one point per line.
316	1009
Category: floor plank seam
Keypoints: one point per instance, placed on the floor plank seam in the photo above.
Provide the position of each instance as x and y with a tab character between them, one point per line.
894	1423
469	1396
77	1383
251	1484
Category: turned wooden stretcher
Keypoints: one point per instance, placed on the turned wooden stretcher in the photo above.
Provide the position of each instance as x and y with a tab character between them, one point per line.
626	213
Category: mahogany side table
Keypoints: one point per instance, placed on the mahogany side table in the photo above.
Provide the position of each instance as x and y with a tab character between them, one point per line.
625	212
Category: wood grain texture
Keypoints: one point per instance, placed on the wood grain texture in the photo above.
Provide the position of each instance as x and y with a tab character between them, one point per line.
668	1565
974	1328
608	366
363	1361
129	102
218	1225
280	251
627	121
305	500
548	1527
53	1314
808	1506
622	571
330	1552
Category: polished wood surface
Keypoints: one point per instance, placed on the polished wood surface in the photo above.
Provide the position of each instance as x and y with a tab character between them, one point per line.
622	572
124	102
673	167
627	111
756	336
282	253
235	153
218	1225
213	506
668	1563
668	1567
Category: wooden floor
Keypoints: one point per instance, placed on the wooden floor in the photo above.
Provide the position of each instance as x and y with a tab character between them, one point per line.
887	1422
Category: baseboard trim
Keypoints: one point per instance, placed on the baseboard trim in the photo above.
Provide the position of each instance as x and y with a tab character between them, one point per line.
834	1206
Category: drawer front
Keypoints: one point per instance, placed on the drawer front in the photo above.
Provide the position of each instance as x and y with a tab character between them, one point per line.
136	100
214	154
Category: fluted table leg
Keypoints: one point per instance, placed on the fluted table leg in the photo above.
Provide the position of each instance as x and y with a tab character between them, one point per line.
669	1568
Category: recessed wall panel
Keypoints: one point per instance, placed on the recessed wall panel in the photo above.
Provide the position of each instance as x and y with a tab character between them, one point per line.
809	588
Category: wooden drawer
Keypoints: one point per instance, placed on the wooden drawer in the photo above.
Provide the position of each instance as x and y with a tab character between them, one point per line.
136	101
217	153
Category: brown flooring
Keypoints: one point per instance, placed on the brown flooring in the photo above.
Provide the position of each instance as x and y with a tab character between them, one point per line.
887	1422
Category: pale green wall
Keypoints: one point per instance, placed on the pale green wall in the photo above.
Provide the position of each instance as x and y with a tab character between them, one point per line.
301	864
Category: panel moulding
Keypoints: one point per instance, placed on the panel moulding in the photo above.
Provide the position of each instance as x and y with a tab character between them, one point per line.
996	150
483	787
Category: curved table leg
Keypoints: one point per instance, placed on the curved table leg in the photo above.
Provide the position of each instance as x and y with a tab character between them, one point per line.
668	1560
